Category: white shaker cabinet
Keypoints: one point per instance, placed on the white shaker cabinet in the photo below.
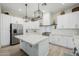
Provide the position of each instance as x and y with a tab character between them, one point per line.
46	23
76	40
62	41
5	29
68	20
46	19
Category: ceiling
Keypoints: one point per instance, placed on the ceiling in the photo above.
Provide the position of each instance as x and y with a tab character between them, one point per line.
19	9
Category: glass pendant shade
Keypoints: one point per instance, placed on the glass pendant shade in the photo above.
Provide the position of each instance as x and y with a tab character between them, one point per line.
26	17
38	13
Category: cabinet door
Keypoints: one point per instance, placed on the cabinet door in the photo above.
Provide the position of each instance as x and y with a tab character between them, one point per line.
62	41
76	40
77	20
70	42
46	19
52	38
5	30
57	40
60	22
68	20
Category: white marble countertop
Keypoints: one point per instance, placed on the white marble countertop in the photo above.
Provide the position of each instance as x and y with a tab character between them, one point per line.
32	38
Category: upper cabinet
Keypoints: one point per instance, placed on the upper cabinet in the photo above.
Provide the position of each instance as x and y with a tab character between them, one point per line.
70	20
5	29
12	19
46	19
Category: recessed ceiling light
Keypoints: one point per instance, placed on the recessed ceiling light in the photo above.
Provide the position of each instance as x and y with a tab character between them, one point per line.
19	9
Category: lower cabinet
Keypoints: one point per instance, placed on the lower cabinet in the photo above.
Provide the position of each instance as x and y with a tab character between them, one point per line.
40	49
76	42
27	48
62	41
70	43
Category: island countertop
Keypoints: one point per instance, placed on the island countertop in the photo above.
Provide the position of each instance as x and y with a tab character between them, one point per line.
32	38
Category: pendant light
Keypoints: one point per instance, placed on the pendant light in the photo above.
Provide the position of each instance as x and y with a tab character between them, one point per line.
38	14
26	17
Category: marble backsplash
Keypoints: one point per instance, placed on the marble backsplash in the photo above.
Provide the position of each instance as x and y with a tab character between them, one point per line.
65	31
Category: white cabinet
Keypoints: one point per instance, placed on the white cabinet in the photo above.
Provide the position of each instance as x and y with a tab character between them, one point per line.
70	42
62	41
46	23
76	38
46	19
31	50
40	49
5	29
68	20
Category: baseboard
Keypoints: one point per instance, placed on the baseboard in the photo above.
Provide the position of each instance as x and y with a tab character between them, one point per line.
5	46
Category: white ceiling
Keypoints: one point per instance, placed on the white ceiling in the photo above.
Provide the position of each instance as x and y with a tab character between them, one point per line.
20	9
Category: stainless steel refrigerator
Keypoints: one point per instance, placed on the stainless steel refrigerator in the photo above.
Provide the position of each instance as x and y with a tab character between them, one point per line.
15	29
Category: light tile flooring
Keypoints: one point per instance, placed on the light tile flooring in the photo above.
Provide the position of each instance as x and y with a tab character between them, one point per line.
54	50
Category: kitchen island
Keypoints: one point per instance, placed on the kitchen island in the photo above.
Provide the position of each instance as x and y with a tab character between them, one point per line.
34	44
